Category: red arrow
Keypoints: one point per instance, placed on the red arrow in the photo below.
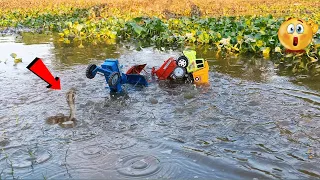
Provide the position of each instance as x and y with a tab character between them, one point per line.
40	69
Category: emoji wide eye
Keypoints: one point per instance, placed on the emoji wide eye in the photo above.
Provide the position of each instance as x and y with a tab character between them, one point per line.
290	28
299	29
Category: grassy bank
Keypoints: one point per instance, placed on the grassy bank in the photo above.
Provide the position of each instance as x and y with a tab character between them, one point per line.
232	27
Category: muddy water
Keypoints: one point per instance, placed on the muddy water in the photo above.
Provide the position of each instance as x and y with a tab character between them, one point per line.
250	123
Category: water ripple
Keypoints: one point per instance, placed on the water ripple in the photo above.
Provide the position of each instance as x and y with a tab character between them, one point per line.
138	165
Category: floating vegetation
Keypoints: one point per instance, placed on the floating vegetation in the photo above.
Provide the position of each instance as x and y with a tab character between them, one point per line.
250	29
16	60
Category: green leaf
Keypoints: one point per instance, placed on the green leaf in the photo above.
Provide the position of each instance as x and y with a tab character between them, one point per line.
266	52
204	37
289	55
313	59
66	32
277	49
13	55
81	46
69	24
239	39
17	60
138	29
66	40
79	27
259	43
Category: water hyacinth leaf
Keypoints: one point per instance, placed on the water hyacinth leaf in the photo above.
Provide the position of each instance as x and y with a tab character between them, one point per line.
67	41
301	65
17	60
66	32
248	34
235	48
204	38
289	55
138	29
79	27
314	27
176	21
81	46
218	35
225	41
189	35
313	59
69	24
259	43
111	41
266	52
112	34
13	55
239	39
277	49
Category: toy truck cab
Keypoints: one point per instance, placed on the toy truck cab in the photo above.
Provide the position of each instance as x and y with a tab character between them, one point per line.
189	61
184	60
201	77
199	68
113	67
111	70
195	65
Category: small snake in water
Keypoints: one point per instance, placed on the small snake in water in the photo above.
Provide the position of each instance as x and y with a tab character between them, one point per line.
61	119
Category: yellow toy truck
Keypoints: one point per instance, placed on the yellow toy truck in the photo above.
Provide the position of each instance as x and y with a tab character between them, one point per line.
199	68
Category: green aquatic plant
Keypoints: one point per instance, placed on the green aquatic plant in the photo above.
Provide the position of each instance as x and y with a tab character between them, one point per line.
230	35
44	177
9	162
15	59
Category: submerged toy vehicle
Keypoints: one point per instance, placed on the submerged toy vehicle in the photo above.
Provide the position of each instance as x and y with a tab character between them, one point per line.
185	67
201	76
190	62
169	70
114	77
199	68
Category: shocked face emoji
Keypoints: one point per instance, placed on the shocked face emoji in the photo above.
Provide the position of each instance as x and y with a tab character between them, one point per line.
295	34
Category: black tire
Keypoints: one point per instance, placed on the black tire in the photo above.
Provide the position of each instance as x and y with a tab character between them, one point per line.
113	79
89	70
182	61
179	72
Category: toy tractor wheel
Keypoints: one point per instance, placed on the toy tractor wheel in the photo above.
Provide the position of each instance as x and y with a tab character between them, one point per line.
179	72
182	61
89	70
113	79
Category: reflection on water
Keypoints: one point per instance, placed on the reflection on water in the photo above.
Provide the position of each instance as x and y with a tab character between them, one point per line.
249	123
255	69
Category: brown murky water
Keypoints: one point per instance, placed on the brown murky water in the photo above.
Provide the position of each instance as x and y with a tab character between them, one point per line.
250	123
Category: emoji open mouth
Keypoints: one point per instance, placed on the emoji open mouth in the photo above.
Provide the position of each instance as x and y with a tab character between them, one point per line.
295	41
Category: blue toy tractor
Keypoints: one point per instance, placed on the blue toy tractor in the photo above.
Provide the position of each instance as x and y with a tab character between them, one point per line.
114	77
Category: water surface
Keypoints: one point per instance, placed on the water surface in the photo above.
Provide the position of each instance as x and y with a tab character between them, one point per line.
250	123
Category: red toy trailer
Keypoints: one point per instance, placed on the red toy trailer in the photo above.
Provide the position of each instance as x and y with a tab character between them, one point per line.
169	70
136	69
